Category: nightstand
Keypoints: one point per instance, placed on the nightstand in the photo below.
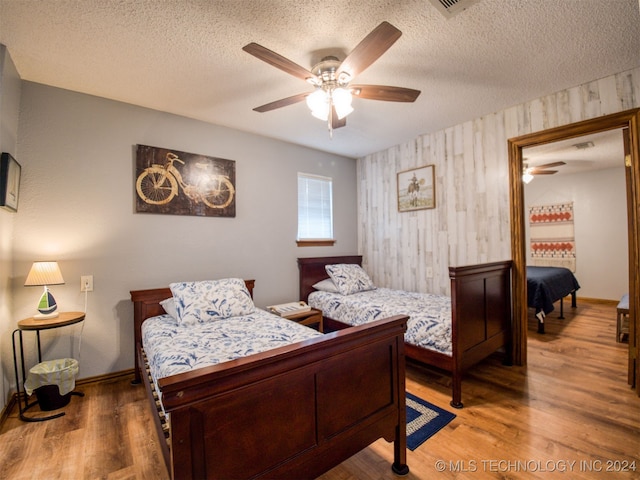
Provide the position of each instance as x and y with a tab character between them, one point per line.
310	317
35	324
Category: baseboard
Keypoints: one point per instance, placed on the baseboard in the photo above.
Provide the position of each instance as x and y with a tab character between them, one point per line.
106	377
13	400
596	300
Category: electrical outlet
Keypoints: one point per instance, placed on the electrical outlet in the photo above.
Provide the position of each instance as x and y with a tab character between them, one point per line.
86	283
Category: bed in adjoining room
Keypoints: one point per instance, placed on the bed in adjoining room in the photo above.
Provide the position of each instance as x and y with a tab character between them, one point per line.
242	393
451	333
547	285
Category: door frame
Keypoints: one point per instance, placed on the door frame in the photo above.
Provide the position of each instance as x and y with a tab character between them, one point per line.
628	119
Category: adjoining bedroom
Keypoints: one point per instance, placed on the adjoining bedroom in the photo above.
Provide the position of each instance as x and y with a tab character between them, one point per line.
319	240
576	233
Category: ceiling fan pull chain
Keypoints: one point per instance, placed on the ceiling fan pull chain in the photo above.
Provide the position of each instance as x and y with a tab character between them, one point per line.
330	121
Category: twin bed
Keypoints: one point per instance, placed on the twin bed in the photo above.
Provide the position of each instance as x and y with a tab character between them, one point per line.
547	285
450	333
241	393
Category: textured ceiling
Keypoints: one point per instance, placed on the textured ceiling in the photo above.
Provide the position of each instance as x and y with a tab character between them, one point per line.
605	150
185	57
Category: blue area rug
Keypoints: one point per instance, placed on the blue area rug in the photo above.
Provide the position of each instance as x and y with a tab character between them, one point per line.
423	420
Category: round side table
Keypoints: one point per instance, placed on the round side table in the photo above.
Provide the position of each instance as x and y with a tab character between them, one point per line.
37	324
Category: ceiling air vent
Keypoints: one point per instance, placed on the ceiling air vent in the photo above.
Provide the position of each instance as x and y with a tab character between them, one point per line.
449	8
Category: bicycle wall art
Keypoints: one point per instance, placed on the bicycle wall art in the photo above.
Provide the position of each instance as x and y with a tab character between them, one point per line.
180	183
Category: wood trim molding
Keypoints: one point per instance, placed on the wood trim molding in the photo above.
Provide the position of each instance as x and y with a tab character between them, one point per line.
628	119
315	243
13	400
106	377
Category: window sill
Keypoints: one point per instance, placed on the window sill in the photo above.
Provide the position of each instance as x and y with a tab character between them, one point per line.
316	243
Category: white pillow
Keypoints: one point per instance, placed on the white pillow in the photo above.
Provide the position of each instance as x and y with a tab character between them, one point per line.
200	302
326	285
169	306
349	278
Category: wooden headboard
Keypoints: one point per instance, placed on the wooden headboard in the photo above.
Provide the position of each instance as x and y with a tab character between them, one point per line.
312	271
146	304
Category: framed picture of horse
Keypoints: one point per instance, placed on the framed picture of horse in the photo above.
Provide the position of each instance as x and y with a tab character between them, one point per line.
417	189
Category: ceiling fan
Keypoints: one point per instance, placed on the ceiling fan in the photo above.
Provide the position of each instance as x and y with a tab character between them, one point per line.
331	98
530	172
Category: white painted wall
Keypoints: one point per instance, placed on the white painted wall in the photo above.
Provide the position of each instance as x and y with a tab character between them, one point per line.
77	207
9	107
600	224
471	221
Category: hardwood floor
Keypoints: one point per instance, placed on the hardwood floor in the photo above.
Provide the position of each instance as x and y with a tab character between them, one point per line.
107	434
568	414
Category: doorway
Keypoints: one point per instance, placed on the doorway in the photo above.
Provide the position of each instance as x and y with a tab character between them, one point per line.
628	121
586	177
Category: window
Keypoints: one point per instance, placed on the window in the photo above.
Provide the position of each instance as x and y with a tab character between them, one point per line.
315	210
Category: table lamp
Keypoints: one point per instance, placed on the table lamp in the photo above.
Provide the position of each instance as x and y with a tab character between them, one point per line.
44	274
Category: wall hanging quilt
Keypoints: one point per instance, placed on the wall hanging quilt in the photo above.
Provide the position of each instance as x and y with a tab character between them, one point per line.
551	235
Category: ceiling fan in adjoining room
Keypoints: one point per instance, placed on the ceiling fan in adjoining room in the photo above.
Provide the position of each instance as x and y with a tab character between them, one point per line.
331	98
530	172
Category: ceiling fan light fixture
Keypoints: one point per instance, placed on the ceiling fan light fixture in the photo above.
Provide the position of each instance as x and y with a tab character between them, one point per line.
321	114
331	100
341	98
526	176
343	79
318	103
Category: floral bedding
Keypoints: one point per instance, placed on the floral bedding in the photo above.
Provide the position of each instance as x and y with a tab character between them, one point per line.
429	325
173	348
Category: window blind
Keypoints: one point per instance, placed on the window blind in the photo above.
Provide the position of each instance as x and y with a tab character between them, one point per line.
315	207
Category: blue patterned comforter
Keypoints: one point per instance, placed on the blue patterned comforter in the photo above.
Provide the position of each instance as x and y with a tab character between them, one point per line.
172	348
429	324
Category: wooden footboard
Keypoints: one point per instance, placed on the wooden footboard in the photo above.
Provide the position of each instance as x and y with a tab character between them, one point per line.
481	314
292	412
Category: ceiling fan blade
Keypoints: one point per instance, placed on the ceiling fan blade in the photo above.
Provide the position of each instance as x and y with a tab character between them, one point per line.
370	49
386	93
283	102
535	171
335	121
278	61
550	165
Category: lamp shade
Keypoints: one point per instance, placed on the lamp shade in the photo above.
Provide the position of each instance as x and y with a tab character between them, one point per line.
44	273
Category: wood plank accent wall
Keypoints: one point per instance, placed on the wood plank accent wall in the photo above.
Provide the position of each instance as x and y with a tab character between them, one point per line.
471	221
